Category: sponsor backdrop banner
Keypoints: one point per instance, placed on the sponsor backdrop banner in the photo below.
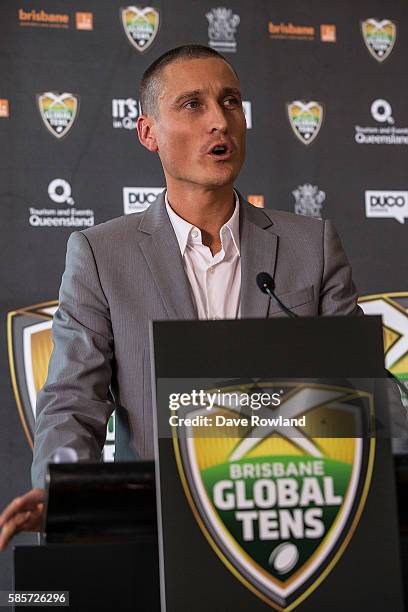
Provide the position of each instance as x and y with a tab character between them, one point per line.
325	102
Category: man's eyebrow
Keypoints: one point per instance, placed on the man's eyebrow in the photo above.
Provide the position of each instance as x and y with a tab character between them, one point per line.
197	92
231	90
187	94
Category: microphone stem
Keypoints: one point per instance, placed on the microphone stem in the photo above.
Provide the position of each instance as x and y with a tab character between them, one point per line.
277	300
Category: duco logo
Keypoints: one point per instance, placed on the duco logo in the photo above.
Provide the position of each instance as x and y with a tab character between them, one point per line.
382	112
137	199
59	191
388	200
387	204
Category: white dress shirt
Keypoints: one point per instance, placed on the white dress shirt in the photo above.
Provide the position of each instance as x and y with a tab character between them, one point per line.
215	281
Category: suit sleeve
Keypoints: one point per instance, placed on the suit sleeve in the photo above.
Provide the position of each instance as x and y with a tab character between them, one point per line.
338	294
73	407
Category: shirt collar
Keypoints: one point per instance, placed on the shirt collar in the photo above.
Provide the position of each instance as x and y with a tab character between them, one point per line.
183	228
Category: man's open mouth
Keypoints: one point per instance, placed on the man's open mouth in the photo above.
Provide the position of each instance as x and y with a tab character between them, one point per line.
220	152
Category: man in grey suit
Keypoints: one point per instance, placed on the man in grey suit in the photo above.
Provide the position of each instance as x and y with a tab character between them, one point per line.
194	253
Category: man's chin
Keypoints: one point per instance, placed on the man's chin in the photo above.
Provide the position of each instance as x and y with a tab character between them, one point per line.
220	176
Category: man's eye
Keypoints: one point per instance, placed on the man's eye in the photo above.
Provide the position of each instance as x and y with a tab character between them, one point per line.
232	101
192	104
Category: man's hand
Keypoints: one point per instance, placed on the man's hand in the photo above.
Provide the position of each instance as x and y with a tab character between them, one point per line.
22	514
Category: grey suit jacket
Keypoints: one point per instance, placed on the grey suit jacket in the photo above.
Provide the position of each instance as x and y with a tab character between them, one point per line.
123	273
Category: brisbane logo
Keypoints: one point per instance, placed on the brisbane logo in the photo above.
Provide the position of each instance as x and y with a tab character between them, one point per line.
279	504
306	119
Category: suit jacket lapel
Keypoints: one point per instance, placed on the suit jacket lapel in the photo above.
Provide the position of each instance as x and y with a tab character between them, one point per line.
162	253
258	254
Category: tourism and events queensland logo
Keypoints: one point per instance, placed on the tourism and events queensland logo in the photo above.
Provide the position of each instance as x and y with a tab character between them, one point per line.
306	119
393	307
379	37
58	111
29	349
386	131
141	25
279	504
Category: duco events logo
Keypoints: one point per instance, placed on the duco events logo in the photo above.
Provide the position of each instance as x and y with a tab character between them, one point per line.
387	205
222	27
29	349
384	133
309	200
306	119
60	192
141	25
58	111
280	505
137	199
393	307
379	37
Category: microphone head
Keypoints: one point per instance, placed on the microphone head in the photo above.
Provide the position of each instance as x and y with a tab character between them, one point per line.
265	282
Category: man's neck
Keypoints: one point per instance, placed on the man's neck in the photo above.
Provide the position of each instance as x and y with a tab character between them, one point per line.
207	210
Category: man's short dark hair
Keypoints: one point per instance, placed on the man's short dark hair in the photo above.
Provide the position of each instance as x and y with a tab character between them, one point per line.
150	85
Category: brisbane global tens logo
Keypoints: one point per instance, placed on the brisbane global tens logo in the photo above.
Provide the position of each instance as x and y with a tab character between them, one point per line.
29	349
279	504
306	119
141	25
58	111
393	307
379	37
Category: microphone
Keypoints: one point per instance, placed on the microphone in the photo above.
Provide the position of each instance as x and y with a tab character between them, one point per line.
266	284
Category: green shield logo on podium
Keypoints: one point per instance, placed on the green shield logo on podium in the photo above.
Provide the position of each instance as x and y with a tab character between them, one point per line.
278	502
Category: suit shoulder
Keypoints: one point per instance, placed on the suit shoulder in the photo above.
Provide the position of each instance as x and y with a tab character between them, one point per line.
114	229
287	222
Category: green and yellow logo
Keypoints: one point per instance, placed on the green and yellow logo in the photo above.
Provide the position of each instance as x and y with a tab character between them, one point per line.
29	348
141	25
379	37
279	503
393	307
306	119
58	111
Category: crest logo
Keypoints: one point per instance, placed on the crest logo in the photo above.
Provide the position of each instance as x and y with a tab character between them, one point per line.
141	25
221	30
279	504
306	119
58	111
393	307
309	200
29	349
379	37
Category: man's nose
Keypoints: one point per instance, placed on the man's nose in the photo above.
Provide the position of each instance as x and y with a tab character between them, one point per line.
217	120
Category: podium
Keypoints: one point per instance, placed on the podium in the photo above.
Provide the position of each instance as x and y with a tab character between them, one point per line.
101	538
274	512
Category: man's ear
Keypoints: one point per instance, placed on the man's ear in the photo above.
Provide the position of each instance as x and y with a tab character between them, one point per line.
146	130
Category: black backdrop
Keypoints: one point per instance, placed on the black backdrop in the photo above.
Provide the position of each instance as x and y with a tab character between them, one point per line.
349	59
